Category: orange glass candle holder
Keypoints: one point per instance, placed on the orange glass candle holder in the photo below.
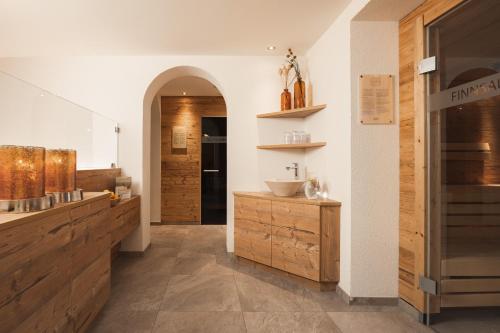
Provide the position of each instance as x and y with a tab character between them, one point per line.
60	170
22	172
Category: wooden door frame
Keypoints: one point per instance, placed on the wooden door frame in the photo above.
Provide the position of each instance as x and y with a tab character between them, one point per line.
420	18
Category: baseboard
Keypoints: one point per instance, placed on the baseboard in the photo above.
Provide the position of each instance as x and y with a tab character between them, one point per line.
377	301
410	310
135	253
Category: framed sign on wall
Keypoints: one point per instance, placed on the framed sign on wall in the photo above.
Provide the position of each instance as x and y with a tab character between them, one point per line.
376	99
179	137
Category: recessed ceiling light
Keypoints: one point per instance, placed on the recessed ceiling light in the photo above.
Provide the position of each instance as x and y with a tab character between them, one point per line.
184	93
271	48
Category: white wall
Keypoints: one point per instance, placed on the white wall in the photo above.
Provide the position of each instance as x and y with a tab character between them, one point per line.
330	75
360	163
116	86
155	196
374	169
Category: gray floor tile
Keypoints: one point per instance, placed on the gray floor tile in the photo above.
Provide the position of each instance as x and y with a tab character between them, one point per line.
124	322
289	322
193	322
468	320
201	293
262	296
376	322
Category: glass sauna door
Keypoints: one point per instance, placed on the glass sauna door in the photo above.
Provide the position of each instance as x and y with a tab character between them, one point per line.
463	159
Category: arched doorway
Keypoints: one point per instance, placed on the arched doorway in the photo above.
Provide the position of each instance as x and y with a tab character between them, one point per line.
151	162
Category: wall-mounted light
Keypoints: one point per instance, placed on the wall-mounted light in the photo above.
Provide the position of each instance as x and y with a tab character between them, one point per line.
22	179
184	93
271	48
60	175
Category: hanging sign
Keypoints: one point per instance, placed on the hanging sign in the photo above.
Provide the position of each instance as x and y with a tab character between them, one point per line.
376	99
179	137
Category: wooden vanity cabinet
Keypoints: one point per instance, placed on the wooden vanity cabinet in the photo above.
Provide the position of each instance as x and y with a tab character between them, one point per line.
295	235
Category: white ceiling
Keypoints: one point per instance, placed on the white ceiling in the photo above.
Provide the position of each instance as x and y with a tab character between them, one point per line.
135	27
192	85
387	10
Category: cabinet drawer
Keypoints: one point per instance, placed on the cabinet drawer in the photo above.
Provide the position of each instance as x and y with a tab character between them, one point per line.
296	251
296	216
252	240
257	210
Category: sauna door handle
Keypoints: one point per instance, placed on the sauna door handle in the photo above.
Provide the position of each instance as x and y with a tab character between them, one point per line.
210	170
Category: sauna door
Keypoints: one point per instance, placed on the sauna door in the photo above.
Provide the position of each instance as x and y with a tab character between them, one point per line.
463	159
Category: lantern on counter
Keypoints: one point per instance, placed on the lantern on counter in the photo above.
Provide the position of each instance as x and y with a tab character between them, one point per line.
60	175
22	179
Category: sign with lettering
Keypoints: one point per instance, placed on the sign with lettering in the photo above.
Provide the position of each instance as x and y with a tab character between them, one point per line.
179	137
483	88
376	99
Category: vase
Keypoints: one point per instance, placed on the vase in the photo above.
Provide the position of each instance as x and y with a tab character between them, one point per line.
299	94
286	100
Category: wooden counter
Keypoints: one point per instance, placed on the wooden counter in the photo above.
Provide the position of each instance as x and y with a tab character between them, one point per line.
55	264
293	234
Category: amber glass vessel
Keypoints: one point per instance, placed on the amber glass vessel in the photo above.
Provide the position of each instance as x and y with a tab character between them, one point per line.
22	172
60	170
299	94
286	100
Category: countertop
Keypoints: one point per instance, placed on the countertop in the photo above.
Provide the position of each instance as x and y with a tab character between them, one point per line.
296	199
8	220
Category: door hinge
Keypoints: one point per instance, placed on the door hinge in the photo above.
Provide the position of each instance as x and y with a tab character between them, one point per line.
427	285
427	65
117	129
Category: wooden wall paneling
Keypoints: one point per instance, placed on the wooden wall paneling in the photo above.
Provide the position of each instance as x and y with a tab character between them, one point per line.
97	180
181	168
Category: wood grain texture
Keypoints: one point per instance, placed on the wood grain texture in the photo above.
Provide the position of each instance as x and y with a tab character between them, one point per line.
293	145
125	217
296	251
294	113
297	216
97	180
292	234
412	148
330	244
46	259
181	168
252	240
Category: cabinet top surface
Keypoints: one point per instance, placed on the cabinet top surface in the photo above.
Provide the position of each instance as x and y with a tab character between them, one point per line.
296	199
11	219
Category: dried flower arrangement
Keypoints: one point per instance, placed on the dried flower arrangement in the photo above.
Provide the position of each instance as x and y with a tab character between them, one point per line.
292	61
284	72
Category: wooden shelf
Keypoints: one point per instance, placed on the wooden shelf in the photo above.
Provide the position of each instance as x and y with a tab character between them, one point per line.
466	151
293	113
294	146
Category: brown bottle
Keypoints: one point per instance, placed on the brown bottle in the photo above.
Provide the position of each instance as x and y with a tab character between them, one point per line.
299	94
286	100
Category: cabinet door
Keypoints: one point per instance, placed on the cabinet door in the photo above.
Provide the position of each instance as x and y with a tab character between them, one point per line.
252	229
296	216
296	251
252	240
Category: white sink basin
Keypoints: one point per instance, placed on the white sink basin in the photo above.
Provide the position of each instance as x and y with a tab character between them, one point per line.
284	187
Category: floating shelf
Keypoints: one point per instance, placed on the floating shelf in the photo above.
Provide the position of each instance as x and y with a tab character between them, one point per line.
294	146
293	113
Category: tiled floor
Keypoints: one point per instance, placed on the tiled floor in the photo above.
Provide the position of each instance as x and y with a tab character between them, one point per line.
187	283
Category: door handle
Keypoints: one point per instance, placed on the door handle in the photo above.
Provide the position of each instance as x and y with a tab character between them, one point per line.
210	170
